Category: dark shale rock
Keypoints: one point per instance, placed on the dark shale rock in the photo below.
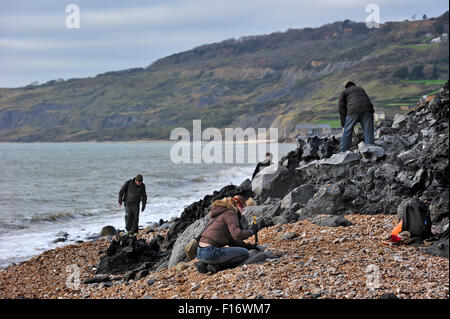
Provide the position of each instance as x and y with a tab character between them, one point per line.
331	221
128	253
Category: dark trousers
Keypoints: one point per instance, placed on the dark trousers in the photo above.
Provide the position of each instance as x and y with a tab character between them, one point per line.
366	120
132	218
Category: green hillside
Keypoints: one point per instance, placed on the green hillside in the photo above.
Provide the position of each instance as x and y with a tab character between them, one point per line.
275	80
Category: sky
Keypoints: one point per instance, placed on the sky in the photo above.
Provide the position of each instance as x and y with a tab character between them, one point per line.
39	43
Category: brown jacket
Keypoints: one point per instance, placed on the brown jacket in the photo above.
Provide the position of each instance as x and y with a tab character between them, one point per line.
225	228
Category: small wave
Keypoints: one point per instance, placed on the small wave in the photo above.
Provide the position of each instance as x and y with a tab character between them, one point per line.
199	179
13	225
234	171
62	215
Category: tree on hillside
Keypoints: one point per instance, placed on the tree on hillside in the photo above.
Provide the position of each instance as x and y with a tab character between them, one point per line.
417	73
439	29
401	73
424	17
430	71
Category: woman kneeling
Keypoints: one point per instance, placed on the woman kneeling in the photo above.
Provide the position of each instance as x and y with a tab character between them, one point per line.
224	228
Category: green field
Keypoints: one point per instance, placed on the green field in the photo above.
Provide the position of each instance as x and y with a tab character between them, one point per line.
333	123
424	82
420	47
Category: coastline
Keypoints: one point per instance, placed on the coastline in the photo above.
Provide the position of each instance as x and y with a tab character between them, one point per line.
144	141
325	226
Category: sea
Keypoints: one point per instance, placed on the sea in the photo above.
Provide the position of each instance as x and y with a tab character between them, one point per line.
48	188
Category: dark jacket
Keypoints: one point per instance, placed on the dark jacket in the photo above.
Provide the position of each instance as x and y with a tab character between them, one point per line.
261	166
131	194
225	229
353	100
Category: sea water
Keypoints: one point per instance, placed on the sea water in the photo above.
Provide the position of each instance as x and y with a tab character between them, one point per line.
46	188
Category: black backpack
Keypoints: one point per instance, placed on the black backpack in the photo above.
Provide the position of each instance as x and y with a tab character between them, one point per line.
416	219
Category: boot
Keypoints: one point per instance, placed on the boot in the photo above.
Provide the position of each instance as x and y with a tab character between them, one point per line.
201	267
214	268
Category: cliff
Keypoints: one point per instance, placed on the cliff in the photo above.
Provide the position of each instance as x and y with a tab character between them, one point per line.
274	80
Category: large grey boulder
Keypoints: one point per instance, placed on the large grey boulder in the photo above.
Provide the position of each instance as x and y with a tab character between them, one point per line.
264	214
400	121
411	179
301	195
329	199
108	231
371	153
392	143
439	208
184	238
274	180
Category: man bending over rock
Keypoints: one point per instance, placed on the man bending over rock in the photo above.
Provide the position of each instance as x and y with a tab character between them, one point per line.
355	106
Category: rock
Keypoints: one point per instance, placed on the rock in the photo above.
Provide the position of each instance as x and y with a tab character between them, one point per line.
181	266
274	180
152	225
392	143
183	239
108	231
62	234
97	279
258	257
129	253
285	236
340	158
371	153
301	194
411	180
327	200
59	240
105	284
399	121
388	296
387	172
413	139
440	247
439	208
331	221
311	147
407	155
280	220
264	214
292	159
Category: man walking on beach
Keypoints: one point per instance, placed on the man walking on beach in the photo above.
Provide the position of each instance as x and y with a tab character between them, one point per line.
131	193
355	106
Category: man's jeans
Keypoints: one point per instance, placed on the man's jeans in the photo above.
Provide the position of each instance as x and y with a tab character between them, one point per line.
366	120
229	255
132	218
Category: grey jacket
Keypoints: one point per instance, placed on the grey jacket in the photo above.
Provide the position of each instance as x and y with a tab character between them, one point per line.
131	194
